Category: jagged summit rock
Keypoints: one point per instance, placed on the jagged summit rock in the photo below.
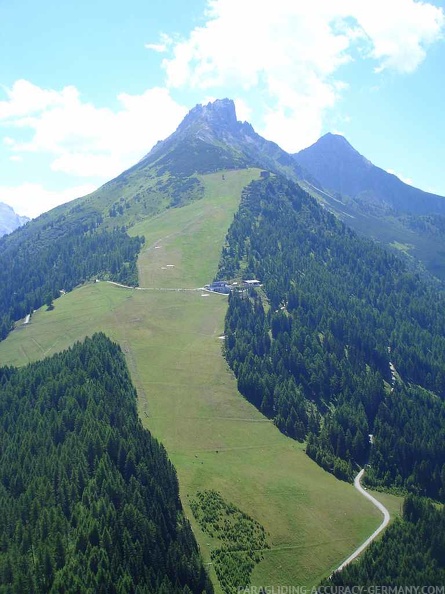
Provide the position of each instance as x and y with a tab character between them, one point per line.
208	122
214	129
9	219
218	116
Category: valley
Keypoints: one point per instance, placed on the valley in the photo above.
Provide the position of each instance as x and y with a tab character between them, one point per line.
188	397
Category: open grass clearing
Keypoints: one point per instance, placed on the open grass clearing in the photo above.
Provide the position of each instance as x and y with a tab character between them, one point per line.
215	438
183	245
189	401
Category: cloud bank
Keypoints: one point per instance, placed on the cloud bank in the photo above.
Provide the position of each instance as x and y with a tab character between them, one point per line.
291	52
82	139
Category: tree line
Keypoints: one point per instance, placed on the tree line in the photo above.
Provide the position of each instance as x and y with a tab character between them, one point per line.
50	255
411	552
312	348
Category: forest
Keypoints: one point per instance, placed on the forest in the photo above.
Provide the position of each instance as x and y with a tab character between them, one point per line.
312	348
89	501
242	539
56	256
410	553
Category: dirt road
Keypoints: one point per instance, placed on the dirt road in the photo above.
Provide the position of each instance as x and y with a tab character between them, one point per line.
386	518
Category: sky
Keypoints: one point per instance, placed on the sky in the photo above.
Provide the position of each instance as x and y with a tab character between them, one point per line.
87	88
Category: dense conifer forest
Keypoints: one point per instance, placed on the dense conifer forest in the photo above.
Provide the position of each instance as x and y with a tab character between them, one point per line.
312	349
88	499
55	256
410	553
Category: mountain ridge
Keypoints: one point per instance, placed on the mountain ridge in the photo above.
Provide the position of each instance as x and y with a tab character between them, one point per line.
9	219
341	168
216	122
210	139
378	204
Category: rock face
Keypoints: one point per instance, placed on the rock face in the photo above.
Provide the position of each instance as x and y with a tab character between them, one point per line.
216	125
9	220
217	118
340	168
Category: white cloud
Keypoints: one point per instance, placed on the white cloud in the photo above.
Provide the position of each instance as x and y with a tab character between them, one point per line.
406	180
161	47
289	52
32	199
26	98
281	61
243	111
82	139
399	31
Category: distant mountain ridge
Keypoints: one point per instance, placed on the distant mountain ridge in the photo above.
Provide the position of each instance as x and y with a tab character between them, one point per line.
9	219
340	168
376	203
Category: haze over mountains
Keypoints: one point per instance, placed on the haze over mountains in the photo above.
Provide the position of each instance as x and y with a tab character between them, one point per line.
341	169
9	219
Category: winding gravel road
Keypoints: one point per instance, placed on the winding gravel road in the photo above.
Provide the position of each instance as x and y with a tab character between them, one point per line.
380	506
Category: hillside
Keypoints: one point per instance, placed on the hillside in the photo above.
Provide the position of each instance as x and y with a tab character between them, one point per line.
89	500
341	341
376	203
317	347
188	398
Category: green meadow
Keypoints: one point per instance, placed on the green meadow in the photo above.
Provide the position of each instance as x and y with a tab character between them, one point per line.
188	397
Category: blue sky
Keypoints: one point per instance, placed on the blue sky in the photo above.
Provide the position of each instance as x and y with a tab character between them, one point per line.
87	88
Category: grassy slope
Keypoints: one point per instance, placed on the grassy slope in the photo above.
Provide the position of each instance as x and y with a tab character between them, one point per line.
188	397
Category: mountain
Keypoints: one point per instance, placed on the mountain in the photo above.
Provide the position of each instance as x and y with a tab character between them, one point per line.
209	139
340	341
376	203
9	220
162	224
340	168
212	131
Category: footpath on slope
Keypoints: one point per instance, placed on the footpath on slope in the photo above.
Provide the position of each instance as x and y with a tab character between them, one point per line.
383	525
204	289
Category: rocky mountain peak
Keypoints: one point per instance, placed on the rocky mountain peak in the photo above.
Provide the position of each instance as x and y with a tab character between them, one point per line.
9	219
217	117
216	127
336	146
